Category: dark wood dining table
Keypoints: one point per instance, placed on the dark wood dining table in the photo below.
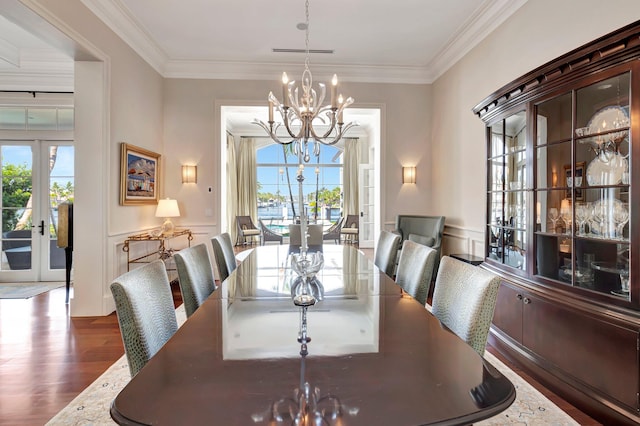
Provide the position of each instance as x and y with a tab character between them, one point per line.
376	356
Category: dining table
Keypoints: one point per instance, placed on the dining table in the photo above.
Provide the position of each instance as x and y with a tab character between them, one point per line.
362	352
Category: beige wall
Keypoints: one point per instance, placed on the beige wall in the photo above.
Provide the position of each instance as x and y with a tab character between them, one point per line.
133	93
538	32
192	135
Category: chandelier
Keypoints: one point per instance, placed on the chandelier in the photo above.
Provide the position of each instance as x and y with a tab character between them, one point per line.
303	115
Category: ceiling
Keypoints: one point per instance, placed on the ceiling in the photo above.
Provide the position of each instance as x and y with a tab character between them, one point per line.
405	41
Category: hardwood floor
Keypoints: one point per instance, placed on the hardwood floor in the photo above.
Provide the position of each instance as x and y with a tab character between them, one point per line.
47	358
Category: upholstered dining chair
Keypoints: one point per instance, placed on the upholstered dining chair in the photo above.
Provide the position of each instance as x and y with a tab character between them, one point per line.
146	315
224	255
386	252
195	274
415	269
464	299
247	230
295	239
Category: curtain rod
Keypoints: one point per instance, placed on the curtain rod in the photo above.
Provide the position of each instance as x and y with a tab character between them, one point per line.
33	92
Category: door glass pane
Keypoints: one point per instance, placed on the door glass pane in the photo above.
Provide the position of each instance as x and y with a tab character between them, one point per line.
61	187
17	221
554	119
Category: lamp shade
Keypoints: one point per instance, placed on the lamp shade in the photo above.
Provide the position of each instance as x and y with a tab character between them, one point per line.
409	174
189	174
167	208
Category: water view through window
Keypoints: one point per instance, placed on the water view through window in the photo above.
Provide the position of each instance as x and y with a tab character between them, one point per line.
278	204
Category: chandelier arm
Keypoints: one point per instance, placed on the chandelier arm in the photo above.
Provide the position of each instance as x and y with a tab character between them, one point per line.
271	130
287	124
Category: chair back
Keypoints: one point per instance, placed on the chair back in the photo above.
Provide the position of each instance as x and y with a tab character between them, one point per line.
415	269
464	299
246	229
352	221
295	239
224	255
195	273
386	252
315	235
333	233
146	314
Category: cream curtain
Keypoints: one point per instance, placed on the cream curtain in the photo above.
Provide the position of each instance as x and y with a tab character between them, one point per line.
247	179
232	187
350	176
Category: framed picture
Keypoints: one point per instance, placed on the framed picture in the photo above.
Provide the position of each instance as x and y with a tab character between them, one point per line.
139	175
576	181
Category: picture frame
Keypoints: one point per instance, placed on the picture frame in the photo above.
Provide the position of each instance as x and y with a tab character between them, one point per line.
139	175
576	182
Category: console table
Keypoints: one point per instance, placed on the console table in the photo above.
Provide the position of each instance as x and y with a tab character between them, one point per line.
162	251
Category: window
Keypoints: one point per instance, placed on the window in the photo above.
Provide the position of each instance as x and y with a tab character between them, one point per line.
278	192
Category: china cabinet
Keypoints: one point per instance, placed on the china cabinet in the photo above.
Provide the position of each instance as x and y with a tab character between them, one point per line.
563	143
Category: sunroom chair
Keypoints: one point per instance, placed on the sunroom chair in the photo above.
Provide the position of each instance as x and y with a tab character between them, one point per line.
146	315
268	234
349	229
247	230
195	275
333	232
386	252
224	255
464	300
415	269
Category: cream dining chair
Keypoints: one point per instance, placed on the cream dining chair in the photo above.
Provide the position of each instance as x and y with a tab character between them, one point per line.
464	299
195	274
386	252
145	310
415	269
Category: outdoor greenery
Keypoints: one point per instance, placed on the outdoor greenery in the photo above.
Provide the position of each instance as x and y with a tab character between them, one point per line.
17	187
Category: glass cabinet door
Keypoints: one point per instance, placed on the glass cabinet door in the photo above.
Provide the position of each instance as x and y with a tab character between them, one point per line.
507	213
582	187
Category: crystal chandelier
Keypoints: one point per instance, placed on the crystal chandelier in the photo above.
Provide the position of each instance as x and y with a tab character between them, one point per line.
303	115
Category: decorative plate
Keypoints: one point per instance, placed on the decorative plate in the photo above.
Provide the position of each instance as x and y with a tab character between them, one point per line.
609	118
610	173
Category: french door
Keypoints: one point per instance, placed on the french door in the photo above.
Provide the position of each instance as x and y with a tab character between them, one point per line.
36	176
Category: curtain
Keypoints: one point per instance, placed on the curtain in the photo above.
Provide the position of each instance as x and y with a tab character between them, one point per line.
247	179
232	187
350	176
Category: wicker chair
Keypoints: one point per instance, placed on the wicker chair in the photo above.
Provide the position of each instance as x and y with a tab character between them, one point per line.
333	233
146	315
268	234
247	230
350	229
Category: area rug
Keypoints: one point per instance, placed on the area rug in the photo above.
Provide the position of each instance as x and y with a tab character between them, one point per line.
26	290
91	407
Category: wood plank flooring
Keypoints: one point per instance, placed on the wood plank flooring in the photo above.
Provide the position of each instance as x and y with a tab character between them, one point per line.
48	358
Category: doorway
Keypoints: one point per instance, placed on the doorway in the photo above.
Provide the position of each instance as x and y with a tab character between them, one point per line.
36	177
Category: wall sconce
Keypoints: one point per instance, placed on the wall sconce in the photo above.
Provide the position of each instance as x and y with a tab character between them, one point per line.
409	174
554	179
189	174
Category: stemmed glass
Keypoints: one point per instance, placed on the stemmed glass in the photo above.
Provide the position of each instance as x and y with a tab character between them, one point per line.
553	215
583	213
620	218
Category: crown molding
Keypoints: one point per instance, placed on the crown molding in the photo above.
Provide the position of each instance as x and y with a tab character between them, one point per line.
9	53
116	16
483	22
486	19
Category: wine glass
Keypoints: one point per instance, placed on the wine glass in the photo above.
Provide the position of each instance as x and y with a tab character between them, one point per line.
620	218
553	215
599	214
583	212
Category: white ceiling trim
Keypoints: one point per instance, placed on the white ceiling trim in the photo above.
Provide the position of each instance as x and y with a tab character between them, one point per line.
486	19
9	53
116	17
483	22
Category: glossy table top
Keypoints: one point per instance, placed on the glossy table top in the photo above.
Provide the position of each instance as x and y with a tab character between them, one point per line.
376	354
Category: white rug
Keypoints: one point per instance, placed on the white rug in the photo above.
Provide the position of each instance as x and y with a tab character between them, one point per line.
26	290
91	407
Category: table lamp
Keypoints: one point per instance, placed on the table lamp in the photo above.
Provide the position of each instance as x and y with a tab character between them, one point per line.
167	208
